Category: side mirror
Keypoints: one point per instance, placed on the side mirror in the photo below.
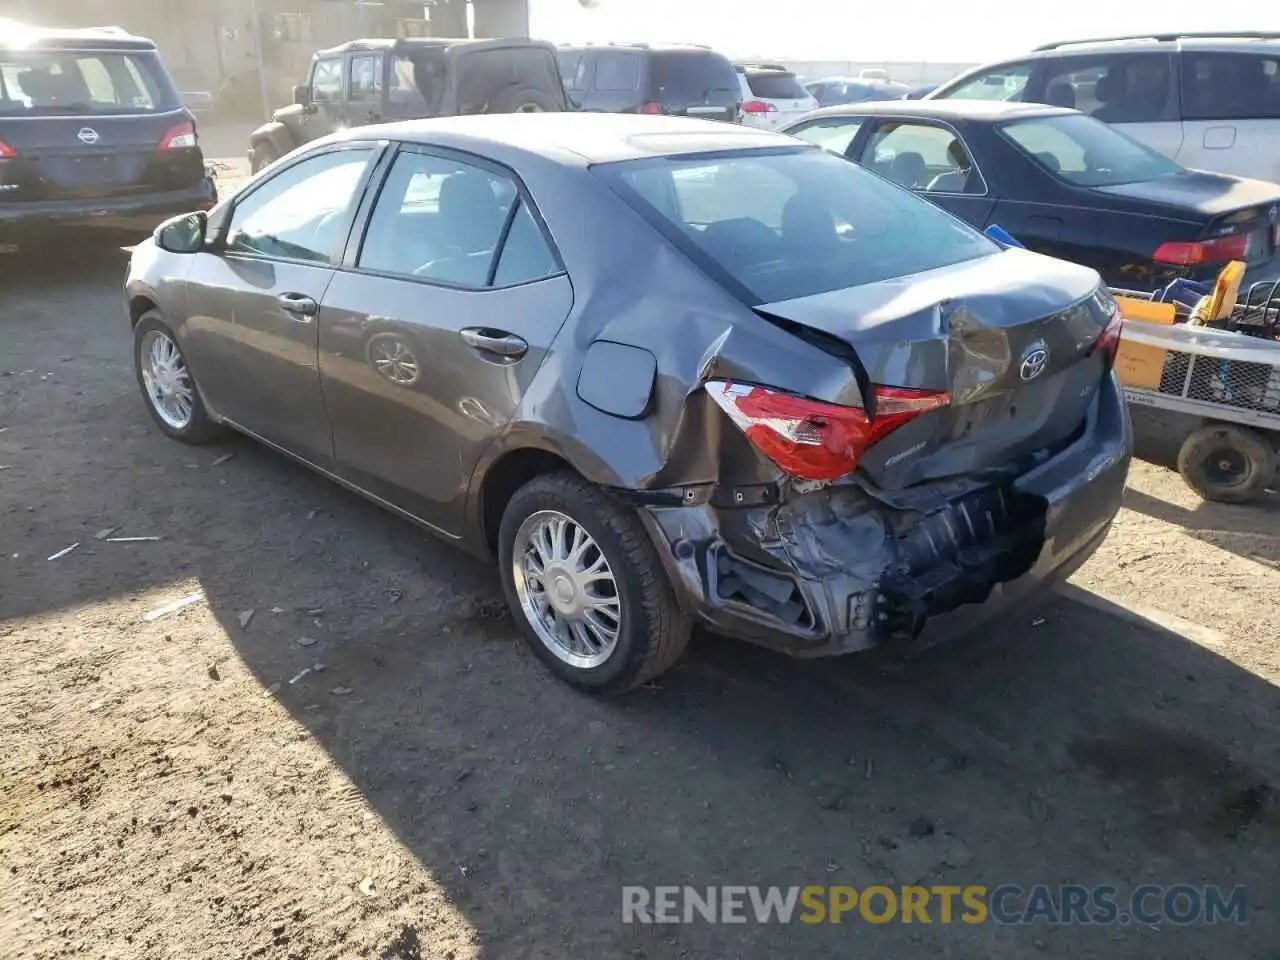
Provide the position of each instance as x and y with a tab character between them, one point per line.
302	95
185	234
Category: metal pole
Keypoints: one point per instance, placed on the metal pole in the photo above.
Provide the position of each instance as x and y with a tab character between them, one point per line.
360	18
262	65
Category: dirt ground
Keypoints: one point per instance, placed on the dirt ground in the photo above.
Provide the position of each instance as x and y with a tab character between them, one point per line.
406	782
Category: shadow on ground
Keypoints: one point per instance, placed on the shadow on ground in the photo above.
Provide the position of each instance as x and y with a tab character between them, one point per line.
1063	745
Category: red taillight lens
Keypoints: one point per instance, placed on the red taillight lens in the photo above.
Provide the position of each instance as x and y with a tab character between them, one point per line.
1220	250
813	440
651	108
758	106
1109	340
6	151
183	135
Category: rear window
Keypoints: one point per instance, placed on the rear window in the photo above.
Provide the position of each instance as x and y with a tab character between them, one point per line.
1087	152
55	82
1230	86
694	77
774	225
776	86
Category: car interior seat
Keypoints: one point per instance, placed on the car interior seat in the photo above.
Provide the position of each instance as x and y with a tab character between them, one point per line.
470	220
908	168
1061	94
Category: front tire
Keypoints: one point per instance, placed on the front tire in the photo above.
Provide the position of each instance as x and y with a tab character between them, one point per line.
585	583
1227	464
168	386
264	154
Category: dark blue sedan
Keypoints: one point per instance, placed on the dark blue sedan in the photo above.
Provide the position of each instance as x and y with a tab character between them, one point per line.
1064	184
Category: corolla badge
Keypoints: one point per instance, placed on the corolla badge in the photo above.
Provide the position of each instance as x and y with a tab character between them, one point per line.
1034	359
88	135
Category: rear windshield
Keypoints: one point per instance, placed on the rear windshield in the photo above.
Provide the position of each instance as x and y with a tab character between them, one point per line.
777	224
83	82
1087	152
694	77
776	86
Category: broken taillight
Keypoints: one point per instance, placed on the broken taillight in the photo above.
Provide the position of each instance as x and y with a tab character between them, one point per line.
814	440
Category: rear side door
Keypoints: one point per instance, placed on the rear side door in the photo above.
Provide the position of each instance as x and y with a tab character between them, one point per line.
364	89
931	159
1135	92
435	327
253	301
1231	113
90	124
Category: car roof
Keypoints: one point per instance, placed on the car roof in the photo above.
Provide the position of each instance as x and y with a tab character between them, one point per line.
983	111
577	139
628	47
424	43
17	35
1265	43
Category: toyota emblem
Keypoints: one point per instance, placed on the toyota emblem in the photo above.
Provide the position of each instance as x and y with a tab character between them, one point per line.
88	135
1034	359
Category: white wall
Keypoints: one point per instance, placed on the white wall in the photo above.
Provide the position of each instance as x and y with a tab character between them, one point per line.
903	72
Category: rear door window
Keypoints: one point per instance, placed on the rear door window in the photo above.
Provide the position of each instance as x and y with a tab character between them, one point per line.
618	73
1006	82
694	77
366	77
1132	88
832	133
1230	86
922	156
776	86
50	82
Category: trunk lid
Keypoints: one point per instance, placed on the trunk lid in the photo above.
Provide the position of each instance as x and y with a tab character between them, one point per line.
1196	194
92	157
1009	336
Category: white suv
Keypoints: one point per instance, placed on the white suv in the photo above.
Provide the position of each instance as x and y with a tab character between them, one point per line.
1209	101
772	96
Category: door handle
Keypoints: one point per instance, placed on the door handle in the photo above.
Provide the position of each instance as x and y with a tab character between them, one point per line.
300	305
499	342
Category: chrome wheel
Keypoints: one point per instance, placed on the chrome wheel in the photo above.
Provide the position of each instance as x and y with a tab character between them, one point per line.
529	108
393	359
566	588
167	379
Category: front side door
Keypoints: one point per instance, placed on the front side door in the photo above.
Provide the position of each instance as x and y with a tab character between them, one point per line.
430	337
253	302
932	160
364	89
327	107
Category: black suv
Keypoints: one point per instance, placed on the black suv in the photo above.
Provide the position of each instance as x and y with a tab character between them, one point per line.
92	134
380	80
686	80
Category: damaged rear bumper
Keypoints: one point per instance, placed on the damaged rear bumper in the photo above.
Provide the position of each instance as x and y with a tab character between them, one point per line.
836	570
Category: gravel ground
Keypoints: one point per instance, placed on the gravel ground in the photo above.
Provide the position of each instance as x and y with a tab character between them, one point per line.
340	748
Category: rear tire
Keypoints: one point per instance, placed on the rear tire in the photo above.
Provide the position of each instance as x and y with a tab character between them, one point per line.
1227	464
651	632
187	422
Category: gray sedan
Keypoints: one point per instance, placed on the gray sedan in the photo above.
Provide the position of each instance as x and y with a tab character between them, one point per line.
666	371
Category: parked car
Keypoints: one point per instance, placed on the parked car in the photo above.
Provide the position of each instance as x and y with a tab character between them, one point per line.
681	80
93	137
832	91
771	95
674	370
379	81
1063	184
194	90
1209	101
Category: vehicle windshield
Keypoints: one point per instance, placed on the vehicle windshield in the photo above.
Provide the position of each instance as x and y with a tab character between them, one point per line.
775	224
56	82
1087	152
